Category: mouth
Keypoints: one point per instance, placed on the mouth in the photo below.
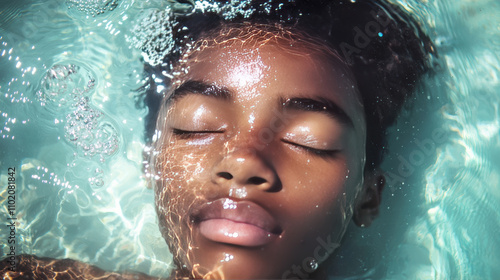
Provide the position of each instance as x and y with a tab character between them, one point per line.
242	223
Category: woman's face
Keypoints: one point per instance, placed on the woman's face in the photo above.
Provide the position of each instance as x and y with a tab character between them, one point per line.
260	159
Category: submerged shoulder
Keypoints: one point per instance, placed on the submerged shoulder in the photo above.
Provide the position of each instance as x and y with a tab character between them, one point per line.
33	267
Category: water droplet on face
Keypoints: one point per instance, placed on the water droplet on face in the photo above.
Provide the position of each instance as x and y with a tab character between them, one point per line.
313	264
227	257
238	192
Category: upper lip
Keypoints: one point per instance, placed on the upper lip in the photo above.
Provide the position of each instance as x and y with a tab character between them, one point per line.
237	211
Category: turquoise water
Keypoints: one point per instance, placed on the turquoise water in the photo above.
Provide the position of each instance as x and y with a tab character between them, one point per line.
70	126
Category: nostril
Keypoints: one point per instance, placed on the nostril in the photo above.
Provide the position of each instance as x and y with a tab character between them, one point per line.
225	175
256	180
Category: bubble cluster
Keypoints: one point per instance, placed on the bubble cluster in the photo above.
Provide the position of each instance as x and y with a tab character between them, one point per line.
93	7
227	10
85	129
67	88
63	83
153	32
153	35
81	121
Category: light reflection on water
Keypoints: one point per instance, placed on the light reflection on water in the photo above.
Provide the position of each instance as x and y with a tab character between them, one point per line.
85	198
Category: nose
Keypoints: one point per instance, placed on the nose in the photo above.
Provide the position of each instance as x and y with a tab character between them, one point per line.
245	168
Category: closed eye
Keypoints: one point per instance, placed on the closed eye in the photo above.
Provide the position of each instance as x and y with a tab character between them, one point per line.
187	134
317	152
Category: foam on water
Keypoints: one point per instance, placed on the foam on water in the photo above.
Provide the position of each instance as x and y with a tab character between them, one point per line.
70	124
93	7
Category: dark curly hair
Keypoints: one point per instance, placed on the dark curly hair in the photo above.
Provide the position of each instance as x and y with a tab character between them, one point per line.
385	48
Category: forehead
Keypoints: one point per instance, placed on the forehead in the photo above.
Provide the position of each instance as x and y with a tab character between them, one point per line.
250	68
261	65
268	70
249	38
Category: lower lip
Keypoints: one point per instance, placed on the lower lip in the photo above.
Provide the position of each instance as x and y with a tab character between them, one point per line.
230	232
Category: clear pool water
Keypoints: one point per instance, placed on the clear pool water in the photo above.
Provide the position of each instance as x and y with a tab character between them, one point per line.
70	127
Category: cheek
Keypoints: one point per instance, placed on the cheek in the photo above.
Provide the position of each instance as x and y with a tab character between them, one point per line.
321	193
181	170
328	194
321	180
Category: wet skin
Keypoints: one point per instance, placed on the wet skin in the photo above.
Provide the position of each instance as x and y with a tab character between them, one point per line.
248	124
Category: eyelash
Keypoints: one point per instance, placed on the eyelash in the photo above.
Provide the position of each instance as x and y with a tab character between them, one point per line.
186	134
316	152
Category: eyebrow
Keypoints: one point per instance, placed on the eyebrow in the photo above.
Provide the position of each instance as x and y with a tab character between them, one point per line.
321	105
201	88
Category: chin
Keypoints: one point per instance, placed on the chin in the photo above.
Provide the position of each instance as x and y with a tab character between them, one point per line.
245	268
216	260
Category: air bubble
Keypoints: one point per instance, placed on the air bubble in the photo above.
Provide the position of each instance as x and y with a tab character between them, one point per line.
96	182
